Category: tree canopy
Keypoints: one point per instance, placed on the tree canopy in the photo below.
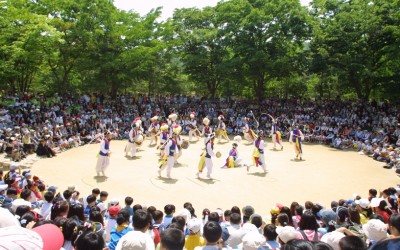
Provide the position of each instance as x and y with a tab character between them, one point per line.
246	48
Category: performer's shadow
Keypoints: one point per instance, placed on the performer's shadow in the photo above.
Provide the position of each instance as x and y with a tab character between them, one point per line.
207	181
152	145
167	180
130	158
180	165
100	179
297	160
259	174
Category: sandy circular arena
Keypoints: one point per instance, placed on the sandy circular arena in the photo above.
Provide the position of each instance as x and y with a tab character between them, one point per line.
326	174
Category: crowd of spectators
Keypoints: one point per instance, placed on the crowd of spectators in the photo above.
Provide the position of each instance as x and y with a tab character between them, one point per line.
47	125
36	217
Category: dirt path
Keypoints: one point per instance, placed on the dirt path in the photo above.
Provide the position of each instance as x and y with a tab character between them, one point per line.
326	174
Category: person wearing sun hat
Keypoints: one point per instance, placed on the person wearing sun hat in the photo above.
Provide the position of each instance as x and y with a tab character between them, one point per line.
363	207
194	239
206	157
375	230
44	237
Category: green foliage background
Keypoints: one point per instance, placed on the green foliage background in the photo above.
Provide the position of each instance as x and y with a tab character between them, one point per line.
245	48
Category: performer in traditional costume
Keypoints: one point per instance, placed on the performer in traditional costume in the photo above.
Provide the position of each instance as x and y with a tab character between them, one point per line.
206	157
103	159
193	130
138	122
258	153
207	130
154	130
248	133
172	122
221	129
233	159
177	131
276	135
296	137
135	139
164	135
171	149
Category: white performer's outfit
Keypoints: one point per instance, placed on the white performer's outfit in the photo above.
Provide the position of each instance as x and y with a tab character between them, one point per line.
193	126
207	159
153	131
103	160
296	137
131	146
178	152
170	150
276	136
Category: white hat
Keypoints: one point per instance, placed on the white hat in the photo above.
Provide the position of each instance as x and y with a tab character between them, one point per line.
173	117
184	213
177	129
19	202
287	234
375	202
7	219
194	225
375	230
134	240
3	187
252	240
102	206
206	121
332	239
364	202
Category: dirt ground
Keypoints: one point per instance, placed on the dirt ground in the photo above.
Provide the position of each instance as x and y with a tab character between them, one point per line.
324	175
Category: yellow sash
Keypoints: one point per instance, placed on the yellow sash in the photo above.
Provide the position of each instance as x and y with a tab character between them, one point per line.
201	162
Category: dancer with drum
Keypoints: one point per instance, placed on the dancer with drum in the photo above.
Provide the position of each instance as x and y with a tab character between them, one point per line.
221	129
258	153
296	137
135	139
154	130
192	126
103	159
171	149
206	157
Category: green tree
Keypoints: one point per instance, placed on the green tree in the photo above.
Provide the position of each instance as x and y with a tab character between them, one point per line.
266	37
24	39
